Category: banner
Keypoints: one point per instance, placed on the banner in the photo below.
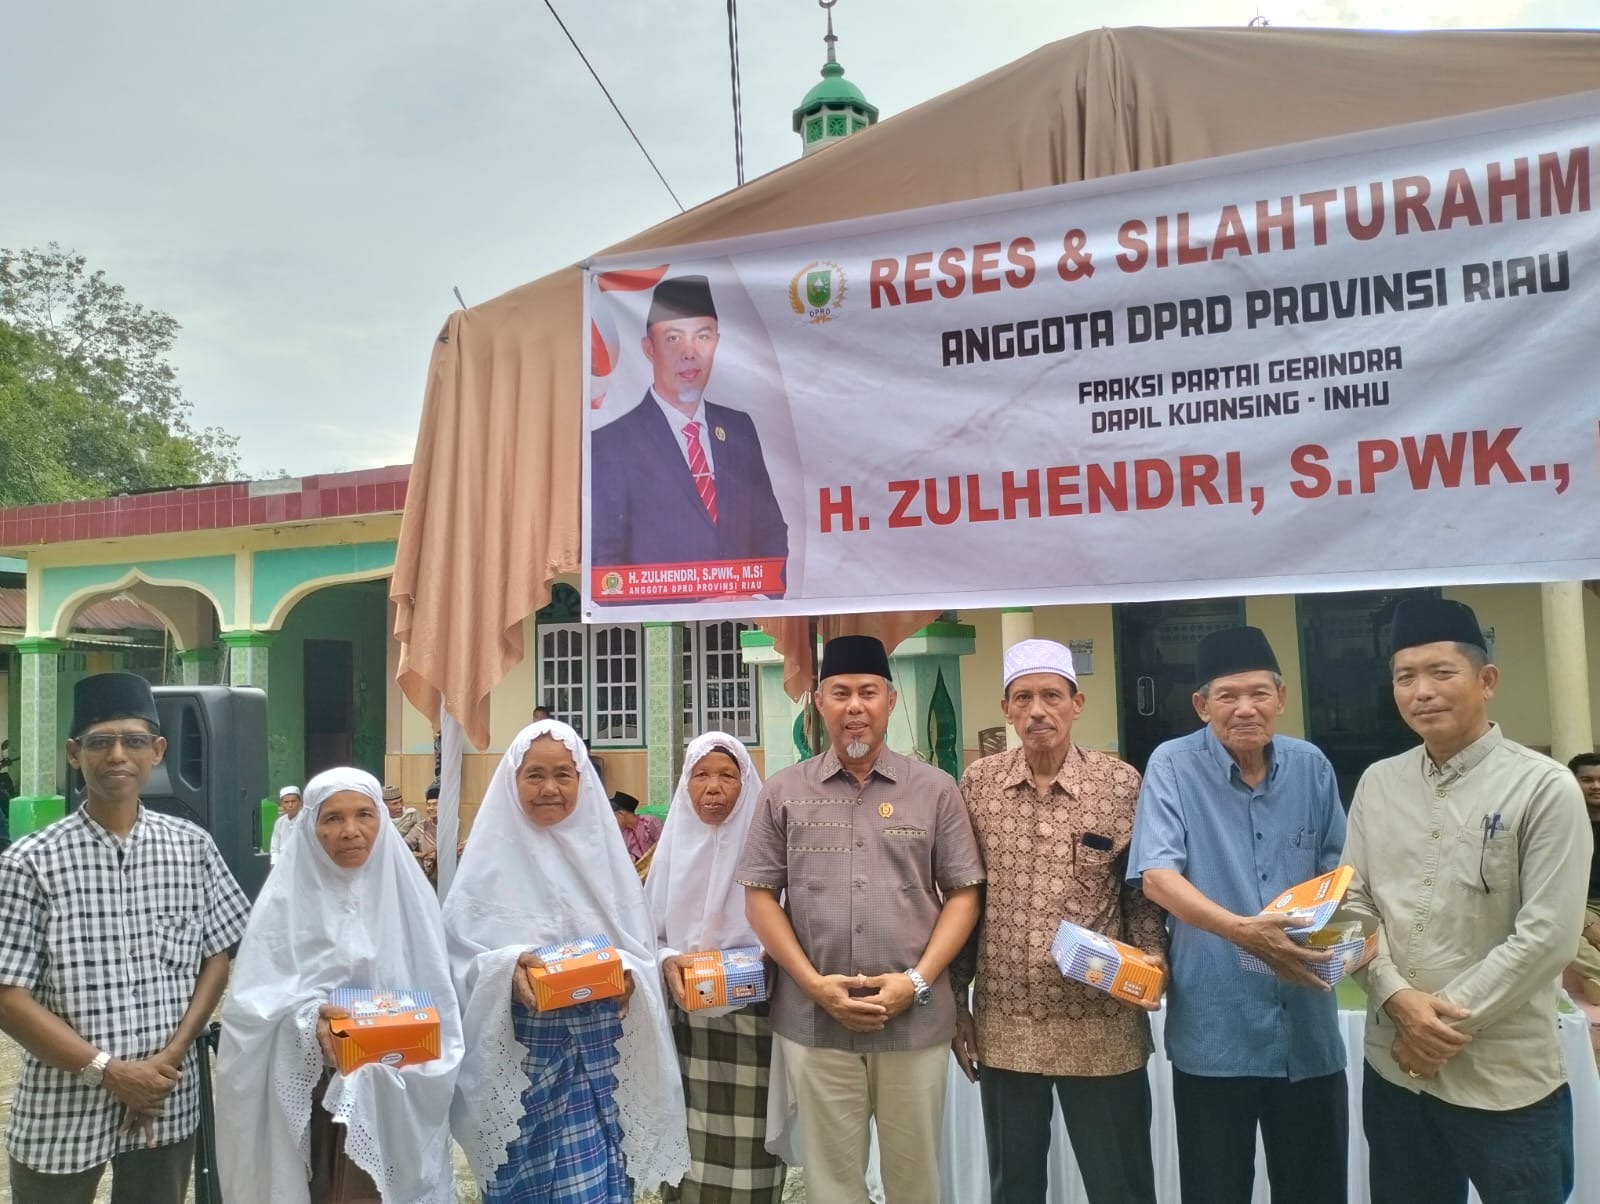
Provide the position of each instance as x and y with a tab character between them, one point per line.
1356	363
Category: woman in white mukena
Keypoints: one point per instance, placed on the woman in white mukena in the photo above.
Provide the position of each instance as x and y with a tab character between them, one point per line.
346	906
578	1104
725	1053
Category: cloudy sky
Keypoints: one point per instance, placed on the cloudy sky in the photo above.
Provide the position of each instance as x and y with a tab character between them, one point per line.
300	184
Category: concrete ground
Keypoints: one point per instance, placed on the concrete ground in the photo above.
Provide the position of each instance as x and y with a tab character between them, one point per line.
11	1066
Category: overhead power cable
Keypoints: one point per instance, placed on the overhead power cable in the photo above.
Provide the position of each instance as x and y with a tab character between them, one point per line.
738	99
615	108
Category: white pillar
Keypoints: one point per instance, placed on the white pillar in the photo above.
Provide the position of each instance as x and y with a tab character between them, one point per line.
1016	625
1566	662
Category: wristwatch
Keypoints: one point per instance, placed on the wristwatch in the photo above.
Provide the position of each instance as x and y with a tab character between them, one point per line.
95	1070
920	990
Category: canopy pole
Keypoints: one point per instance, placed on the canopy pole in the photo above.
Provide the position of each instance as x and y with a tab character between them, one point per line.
451	743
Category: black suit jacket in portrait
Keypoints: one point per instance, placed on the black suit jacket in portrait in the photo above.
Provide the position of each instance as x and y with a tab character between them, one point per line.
646	510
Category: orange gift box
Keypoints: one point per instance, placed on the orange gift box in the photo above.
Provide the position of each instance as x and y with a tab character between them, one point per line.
390	1027
1106	965
724	977
573	972
1314	901
1322	925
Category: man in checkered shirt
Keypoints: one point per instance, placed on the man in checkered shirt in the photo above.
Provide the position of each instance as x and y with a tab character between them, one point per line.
116	926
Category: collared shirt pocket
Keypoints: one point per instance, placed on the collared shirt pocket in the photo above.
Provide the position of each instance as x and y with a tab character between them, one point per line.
908	855
178	939
1093	854
1484	862
1300	854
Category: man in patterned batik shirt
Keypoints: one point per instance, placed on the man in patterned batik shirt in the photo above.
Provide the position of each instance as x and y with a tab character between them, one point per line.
116	925
1054	820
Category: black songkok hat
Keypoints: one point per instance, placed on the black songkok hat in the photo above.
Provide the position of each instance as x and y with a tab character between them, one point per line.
854	654
111	696
681	297
1434	621
1232	650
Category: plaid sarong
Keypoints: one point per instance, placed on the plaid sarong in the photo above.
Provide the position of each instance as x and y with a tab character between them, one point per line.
569	1150
725	1063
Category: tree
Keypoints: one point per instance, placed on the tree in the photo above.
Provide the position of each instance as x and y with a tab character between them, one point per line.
34	409
89	403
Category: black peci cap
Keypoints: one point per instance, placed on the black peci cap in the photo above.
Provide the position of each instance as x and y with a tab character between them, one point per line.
681	297
1434	621
854	654
1232	650
112	696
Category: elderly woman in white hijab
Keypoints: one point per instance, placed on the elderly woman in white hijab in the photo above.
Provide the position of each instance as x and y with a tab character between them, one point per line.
725	1054
580	1103
346	906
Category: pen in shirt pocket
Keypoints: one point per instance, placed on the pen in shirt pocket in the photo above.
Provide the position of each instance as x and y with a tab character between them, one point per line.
1492	827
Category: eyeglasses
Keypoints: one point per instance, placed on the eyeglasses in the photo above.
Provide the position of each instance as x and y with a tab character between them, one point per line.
99	742
1492	827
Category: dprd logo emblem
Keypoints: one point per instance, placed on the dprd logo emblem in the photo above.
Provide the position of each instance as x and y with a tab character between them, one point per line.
817	291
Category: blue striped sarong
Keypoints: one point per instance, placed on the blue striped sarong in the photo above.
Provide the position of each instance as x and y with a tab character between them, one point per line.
569	1150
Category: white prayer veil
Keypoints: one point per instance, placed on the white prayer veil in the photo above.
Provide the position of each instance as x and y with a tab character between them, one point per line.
318	926
691	890
520	886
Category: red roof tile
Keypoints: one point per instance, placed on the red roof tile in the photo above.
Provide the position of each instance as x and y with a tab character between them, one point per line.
209	507
110	614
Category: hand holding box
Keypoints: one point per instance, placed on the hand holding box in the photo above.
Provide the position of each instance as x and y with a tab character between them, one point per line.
392	1027
724	978
1106	965
1322	925
578	971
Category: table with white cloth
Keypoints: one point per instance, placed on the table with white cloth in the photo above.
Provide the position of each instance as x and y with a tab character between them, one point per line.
964	1169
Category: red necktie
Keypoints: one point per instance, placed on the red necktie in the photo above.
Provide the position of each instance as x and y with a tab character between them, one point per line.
704	483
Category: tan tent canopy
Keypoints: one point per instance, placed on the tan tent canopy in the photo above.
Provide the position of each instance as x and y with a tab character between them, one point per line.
493	515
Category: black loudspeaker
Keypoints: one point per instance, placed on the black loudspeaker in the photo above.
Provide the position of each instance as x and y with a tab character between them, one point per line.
215	770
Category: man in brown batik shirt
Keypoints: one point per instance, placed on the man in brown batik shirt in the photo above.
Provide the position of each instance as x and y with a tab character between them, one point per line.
1054	821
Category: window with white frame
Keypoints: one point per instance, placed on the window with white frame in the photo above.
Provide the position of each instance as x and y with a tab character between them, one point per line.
691	684
616	669
719	689
593	678
563	672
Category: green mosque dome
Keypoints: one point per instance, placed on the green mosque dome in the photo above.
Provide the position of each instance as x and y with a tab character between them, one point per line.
834	108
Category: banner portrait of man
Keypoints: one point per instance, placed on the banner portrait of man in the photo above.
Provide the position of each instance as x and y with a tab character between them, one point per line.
679	480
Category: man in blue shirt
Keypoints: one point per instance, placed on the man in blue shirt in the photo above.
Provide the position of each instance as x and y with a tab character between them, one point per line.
1228	819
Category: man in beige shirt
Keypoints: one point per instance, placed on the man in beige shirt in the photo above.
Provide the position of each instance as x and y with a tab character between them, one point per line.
1473	854
1054	821
861	879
